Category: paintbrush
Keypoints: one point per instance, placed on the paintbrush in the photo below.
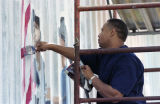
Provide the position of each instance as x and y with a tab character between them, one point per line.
27	50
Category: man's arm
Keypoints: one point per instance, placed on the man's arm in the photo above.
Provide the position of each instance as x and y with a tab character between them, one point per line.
65	51
104	89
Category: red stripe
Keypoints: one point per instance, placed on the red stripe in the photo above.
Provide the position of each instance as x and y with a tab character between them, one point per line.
29	91
27	18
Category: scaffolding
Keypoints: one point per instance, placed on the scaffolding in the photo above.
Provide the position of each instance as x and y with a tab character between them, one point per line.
78	52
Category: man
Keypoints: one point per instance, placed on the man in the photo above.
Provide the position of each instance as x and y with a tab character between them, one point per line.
120	75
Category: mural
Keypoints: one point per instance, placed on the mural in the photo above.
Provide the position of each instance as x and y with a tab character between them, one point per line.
33	81
65	97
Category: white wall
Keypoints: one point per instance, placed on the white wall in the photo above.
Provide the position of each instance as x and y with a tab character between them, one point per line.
10	64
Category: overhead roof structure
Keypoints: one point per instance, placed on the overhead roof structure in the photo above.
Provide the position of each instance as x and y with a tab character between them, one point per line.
140	20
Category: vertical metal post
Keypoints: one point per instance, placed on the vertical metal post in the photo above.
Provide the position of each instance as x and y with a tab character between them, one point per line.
77	48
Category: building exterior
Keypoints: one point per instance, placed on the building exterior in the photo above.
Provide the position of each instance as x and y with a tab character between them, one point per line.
50	12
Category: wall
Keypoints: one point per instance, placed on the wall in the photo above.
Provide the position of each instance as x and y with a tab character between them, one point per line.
50	12
10	61
11	67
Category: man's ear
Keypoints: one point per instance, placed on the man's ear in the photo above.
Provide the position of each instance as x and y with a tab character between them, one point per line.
113	32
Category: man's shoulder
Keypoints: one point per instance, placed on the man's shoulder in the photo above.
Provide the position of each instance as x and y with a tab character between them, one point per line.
130	59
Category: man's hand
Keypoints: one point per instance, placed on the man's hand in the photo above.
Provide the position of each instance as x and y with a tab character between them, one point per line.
42	46
87	72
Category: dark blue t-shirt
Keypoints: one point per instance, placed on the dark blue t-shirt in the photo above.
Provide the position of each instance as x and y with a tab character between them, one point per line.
122	71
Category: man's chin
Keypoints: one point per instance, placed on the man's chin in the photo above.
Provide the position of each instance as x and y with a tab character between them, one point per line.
100	46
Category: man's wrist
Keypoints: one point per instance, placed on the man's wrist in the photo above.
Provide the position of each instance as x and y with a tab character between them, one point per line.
94	76
49	46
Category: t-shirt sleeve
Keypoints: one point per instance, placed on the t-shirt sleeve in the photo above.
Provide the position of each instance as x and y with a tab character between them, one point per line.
91	60
124	75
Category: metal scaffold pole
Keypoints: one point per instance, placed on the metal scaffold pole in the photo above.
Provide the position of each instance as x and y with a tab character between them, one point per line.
77	48
120	6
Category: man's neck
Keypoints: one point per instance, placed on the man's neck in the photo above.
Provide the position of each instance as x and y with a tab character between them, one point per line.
116	45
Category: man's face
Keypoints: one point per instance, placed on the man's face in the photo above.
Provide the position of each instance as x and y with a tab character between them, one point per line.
104	37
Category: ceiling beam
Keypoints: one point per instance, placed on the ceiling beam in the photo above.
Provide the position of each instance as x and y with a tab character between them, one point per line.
144	33
145	17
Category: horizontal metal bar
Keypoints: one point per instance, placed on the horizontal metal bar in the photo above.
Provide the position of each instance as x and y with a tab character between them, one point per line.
83	100
145	33
120	6
152	70
120	50
153	103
